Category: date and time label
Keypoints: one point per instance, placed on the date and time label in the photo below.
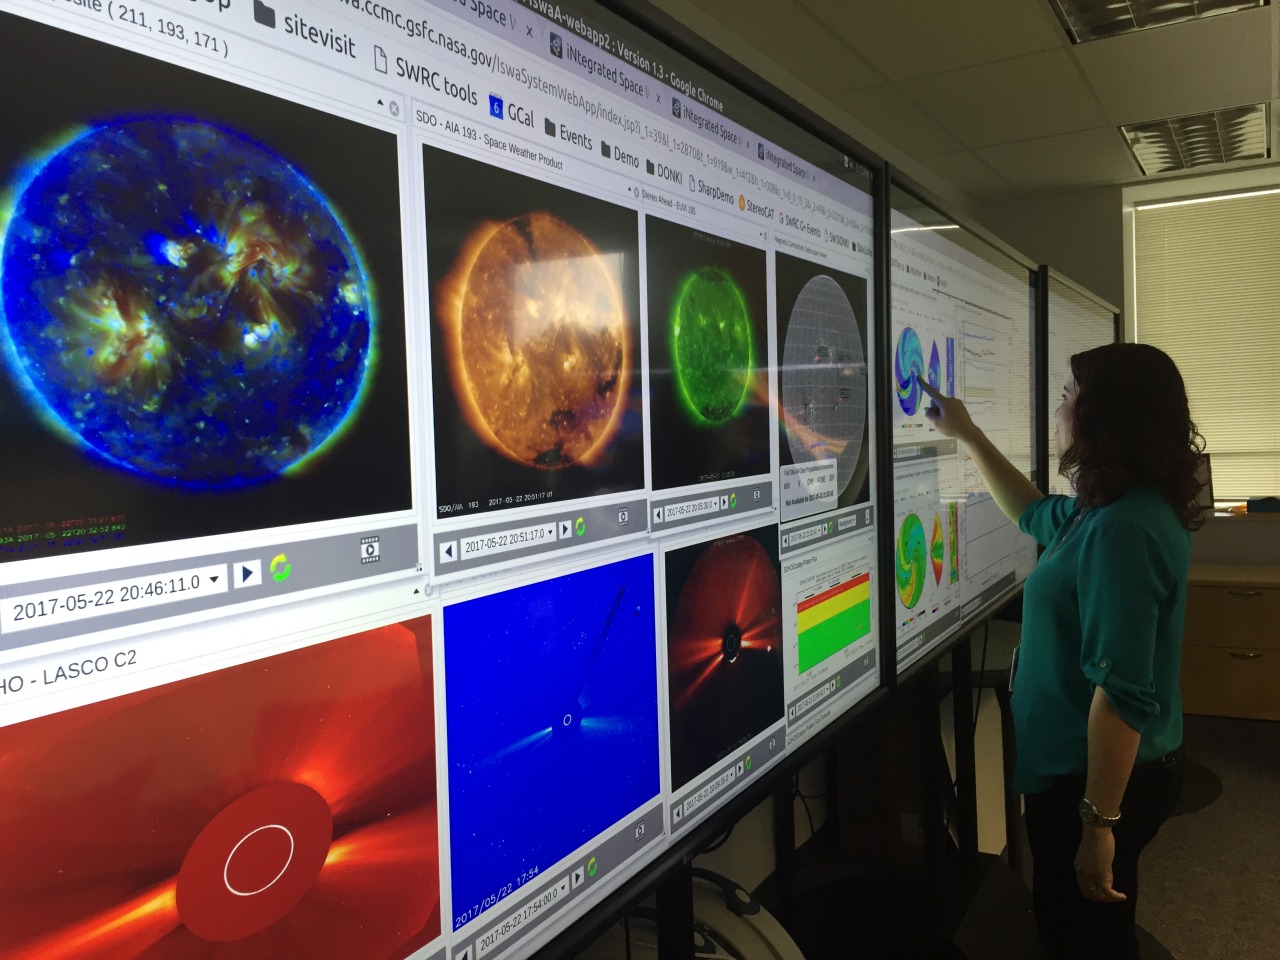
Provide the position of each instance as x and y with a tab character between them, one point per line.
724	504
727	779
497	931
458	552
57	607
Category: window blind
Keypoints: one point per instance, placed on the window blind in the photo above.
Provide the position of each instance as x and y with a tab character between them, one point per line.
1207	292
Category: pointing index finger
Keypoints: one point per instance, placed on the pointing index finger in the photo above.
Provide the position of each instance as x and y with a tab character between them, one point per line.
924	385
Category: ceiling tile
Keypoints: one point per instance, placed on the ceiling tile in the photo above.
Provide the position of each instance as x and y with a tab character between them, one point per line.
912	38
971	176
885	110
1183	68
1031	96
1066	160
795	41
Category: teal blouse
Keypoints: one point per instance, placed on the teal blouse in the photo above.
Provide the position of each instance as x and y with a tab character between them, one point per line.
1104	608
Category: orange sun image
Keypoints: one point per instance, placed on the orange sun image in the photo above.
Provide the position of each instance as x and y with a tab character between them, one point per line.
537	338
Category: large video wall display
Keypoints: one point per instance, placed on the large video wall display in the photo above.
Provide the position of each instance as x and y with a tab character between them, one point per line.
961	319
438	469
1076	323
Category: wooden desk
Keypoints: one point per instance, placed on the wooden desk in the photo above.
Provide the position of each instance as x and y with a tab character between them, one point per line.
1231	646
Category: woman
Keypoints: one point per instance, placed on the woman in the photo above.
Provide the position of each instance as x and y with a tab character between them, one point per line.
1096	704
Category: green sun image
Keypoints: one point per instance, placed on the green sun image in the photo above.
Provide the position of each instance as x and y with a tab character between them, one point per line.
711	345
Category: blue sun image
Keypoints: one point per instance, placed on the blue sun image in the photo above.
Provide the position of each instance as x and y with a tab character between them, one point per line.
183	302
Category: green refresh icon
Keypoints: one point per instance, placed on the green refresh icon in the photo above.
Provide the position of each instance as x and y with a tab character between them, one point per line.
733	501
580	526
280	568
747	763
592	867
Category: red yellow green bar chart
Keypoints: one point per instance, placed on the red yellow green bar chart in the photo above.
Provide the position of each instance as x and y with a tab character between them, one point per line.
830	621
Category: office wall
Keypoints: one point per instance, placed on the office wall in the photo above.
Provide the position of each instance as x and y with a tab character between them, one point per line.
1238	540
1079	233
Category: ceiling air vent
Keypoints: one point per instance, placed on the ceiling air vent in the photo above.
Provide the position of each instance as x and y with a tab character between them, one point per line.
1224	136
1097	19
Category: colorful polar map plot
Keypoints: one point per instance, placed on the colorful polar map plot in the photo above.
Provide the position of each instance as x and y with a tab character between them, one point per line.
833	619
908	364
953	540
911	560
937	549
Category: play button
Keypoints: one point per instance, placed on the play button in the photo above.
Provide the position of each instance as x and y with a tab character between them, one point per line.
247	573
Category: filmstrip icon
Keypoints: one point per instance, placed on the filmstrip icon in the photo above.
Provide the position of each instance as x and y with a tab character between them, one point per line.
370	550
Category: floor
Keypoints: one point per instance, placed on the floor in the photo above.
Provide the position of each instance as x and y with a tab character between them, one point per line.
1210	881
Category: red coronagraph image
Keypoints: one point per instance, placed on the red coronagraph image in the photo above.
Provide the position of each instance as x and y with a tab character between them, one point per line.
278	809
724	645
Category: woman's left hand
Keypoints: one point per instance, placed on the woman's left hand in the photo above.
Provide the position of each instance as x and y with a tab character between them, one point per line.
1094	857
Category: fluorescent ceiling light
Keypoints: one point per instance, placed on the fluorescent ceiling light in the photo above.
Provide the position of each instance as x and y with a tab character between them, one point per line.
1097	19
1180	143
944	226
1189	200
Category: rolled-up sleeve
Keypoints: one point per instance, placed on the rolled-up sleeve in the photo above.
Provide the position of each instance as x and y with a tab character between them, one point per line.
1043	518
1123	580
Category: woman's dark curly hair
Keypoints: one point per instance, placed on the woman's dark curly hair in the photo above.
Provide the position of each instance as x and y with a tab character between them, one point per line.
1132	427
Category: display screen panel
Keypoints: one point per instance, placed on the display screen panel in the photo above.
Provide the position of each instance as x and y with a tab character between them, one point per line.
649	171
961	318
282	806
1076	323
205	350
552	705
502	303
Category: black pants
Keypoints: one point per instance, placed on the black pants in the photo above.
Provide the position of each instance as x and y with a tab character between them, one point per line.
1071	927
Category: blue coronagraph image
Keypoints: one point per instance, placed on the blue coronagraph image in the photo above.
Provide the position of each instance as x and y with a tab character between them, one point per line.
551	693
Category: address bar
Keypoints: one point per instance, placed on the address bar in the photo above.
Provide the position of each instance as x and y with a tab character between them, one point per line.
465	49
412	27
